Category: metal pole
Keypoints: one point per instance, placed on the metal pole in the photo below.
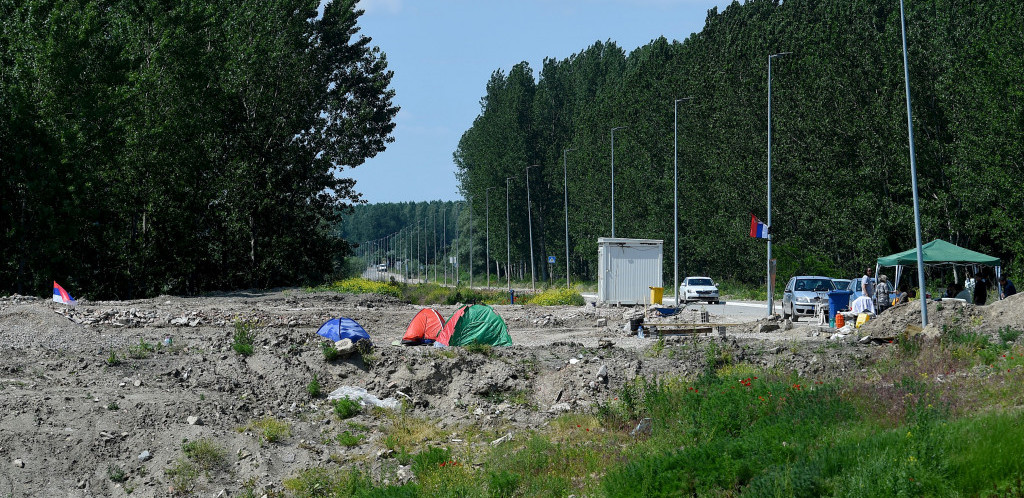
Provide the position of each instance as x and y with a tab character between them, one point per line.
529	216
675	193
444	243
913	176
771	288
565	182
508	240
433	222
613	178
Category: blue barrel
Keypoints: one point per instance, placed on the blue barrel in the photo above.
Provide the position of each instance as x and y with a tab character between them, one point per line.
838	300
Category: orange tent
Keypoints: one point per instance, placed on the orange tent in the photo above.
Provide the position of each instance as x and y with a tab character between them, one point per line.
424	328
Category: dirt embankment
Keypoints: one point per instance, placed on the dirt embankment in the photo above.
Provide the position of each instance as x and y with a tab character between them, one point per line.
71	419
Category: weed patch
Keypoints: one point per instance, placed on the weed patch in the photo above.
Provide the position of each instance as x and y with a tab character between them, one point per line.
245	336
206	454
269	429
345	408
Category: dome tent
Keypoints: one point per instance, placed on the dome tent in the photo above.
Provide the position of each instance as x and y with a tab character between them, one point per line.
474	324
423	328
340	328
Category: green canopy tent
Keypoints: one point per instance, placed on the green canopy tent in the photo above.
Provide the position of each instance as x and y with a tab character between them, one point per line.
938	252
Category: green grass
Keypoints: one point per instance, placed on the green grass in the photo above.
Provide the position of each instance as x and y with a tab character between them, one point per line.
142	350
244	337
183	476
345	408
361	286
270	430
206	454
558	297
313	388
349	439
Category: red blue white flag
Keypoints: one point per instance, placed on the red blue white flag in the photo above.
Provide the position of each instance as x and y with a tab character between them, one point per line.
758	229
60	295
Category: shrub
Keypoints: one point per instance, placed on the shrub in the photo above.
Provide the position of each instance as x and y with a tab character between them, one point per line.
116	473
205	453
245	336
183	475
348	439
113	360
477	348
558	297
270	429
314	387
345	408
330	352
1007	334
142	350
363	286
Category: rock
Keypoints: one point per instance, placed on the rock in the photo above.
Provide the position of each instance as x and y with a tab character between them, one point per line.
605	343
345	346
560	408
404	474
602	373
865	340
194	420
385	453
19	464
767	327
602	322
776	350
643	428
502	439
145	456
288	458
137	383
478	412
787	324
573	361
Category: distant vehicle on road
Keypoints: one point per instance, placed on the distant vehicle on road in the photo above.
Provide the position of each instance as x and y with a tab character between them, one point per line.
803	294
382	267
698	289
841	283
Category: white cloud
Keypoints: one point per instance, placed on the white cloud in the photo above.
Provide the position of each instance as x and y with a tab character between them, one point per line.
387	6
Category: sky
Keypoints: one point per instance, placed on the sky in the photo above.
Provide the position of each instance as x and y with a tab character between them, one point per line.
443	52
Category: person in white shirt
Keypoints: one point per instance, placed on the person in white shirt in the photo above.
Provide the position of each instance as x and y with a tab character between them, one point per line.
867	284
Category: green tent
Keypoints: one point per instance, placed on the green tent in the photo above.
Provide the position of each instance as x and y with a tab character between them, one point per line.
939	252
474	324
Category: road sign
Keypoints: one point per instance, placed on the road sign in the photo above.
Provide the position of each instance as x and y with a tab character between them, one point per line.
551	260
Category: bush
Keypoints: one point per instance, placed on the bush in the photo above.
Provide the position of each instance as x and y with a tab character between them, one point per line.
364	286
558	297
314	387
348	439
205	453
245	336
113	360
330	352
345	408
142	350
270	429
116	473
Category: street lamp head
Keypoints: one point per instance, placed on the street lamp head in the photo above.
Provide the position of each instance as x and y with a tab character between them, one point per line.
779	54
619	128
684	98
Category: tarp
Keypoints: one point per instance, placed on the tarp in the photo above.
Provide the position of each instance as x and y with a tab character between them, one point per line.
474	324
337	329
938	252
423	328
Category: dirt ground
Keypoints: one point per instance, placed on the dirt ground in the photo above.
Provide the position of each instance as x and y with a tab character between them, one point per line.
75	425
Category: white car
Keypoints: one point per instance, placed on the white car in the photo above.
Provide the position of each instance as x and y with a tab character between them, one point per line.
382	267
698	289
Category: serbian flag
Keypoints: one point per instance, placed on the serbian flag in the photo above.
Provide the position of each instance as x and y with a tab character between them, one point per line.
60	295
758	229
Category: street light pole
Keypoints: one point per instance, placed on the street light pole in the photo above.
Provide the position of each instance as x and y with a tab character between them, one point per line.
913	175
613	178
444	243
470	242
487	221
565	182
675	190
529	216
508	240
771	288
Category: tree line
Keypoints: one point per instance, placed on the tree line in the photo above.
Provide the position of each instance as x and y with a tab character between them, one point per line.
841	180
152	147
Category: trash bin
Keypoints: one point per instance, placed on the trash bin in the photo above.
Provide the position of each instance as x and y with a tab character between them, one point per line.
656	294
838	300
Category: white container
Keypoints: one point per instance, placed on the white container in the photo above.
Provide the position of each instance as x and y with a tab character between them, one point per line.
627	269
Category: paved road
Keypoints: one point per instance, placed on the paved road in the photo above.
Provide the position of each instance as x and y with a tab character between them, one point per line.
740	311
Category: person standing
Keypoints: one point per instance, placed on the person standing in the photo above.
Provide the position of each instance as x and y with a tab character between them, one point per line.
882	291
867	283
1008	288
980	288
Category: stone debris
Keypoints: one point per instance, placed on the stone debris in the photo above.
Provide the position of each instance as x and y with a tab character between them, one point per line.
502	439
194	420
145	456
19	464
602	322
643	428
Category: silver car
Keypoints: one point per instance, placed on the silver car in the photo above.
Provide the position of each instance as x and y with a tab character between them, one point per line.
803	294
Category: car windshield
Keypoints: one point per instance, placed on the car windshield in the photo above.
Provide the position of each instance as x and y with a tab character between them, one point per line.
814	284
840	283
700	281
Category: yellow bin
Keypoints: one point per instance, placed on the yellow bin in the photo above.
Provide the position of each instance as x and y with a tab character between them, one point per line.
862	318
656	294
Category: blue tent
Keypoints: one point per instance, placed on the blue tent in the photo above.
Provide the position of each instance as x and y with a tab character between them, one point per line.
337	329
